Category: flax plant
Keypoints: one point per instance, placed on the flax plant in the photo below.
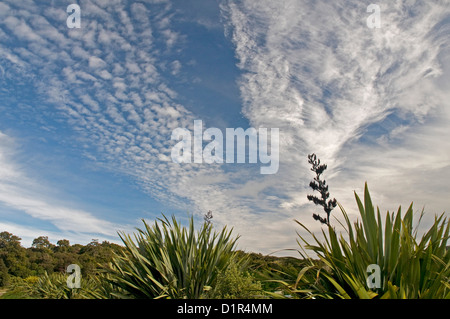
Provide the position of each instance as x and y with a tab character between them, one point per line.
410	268
166	260
54	286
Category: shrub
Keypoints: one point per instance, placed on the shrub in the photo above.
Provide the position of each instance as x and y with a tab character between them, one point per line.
31	280
235	283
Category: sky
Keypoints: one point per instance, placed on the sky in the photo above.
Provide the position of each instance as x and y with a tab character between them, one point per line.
87	114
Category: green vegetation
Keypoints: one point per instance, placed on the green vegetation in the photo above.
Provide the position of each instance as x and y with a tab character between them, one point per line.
23	269
168	260
53	286
17	261
234	282
410	268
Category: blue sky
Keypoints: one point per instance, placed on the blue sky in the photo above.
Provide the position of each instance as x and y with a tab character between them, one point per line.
87	114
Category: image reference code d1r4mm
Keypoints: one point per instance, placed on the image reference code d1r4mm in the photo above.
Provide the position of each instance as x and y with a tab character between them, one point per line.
243	308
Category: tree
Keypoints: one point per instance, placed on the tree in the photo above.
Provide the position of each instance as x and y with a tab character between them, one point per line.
44	257
8	240
63	243
41	242
13	255
321	186
4	276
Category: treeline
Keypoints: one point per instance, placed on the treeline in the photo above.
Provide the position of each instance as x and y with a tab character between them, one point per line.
44	257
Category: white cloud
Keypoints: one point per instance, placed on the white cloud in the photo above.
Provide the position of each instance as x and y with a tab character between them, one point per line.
21	29
21	193
96	63
319	74
176	67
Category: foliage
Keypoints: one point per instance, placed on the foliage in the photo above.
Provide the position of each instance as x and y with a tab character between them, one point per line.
55	286
16	292
321	186
410	268
20	288
170	261
31	280
42	242
235	283
4	275
276	274
104	288
50	286
43	256
13	255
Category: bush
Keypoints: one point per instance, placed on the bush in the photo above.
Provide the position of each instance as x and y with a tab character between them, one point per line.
234	283
31	280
